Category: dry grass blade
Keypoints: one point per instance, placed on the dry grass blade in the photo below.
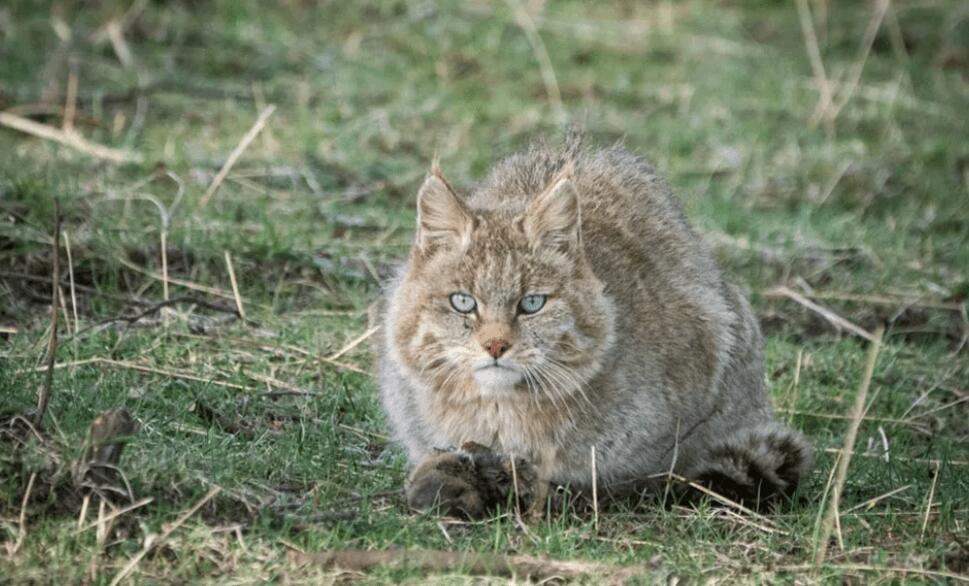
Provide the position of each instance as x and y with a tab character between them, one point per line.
22	526
884	570
872	501
595	492
43	396
115	514
527	25
353	343
151	544
854	76
928	504
817	65
68	139
726	501
858	411
235	285
236	153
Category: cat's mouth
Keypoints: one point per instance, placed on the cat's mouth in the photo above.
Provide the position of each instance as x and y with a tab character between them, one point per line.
494	376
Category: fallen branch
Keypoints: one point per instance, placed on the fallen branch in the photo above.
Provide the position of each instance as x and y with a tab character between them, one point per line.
67	138
481	564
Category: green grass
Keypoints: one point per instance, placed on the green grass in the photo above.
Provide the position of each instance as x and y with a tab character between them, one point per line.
719	94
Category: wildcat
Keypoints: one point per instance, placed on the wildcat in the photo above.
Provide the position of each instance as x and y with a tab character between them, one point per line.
566	304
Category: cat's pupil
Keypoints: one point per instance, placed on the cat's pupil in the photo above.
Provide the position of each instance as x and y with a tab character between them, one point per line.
531	303
462	302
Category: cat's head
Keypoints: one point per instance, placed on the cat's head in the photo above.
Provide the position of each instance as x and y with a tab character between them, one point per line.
502	300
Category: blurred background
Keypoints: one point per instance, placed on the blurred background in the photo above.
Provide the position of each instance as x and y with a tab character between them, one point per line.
236	178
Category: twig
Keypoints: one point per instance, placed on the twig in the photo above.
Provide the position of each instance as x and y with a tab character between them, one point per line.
829	315
527	25
236	153
429	561
151	544
928	505
235	285
43	396
68	139
827	524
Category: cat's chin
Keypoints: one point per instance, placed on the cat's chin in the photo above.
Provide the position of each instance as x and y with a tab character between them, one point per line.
497	380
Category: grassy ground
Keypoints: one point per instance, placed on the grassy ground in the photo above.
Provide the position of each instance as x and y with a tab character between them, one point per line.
865	212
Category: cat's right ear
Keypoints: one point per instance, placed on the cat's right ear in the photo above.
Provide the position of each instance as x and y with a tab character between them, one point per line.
442	217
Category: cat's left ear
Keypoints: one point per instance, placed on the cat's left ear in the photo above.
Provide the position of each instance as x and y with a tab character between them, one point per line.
442	216
553	218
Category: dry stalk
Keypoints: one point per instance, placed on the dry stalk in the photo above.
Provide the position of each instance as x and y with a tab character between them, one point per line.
858	411
236	153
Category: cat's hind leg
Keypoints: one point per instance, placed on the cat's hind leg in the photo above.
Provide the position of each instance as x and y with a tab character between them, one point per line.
755	465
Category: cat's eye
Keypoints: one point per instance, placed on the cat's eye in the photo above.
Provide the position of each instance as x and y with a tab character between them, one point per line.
462	302
531	303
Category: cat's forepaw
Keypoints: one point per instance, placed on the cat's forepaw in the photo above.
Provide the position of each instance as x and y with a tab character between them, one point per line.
756	465
472	482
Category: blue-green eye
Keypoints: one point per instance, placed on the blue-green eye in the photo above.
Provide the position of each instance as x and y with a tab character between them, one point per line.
462	302
531	303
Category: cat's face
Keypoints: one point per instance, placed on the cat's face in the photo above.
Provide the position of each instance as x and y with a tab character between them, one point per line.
502	301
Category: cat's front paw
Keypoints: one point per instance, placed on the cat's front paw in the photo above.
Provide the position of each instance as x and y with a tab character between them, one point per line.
472	482
446	481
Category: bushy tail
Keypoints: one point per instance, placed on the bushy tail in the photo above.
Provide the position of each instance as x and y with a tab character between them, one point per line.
755	465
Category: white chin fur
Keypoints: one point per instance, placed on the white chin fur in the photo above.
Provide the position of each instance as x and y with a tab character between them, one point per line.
496	379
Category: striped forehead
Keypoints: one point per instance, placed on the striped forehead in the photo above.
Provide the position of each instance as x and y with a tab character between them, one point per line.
496	261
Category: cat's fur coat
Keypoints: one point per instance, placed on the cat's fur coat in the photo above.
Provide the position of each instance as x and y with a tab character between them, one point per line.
641	348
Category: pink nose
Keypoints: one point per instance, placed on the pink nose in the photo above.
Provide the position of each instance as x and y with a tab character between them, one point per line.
497	346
